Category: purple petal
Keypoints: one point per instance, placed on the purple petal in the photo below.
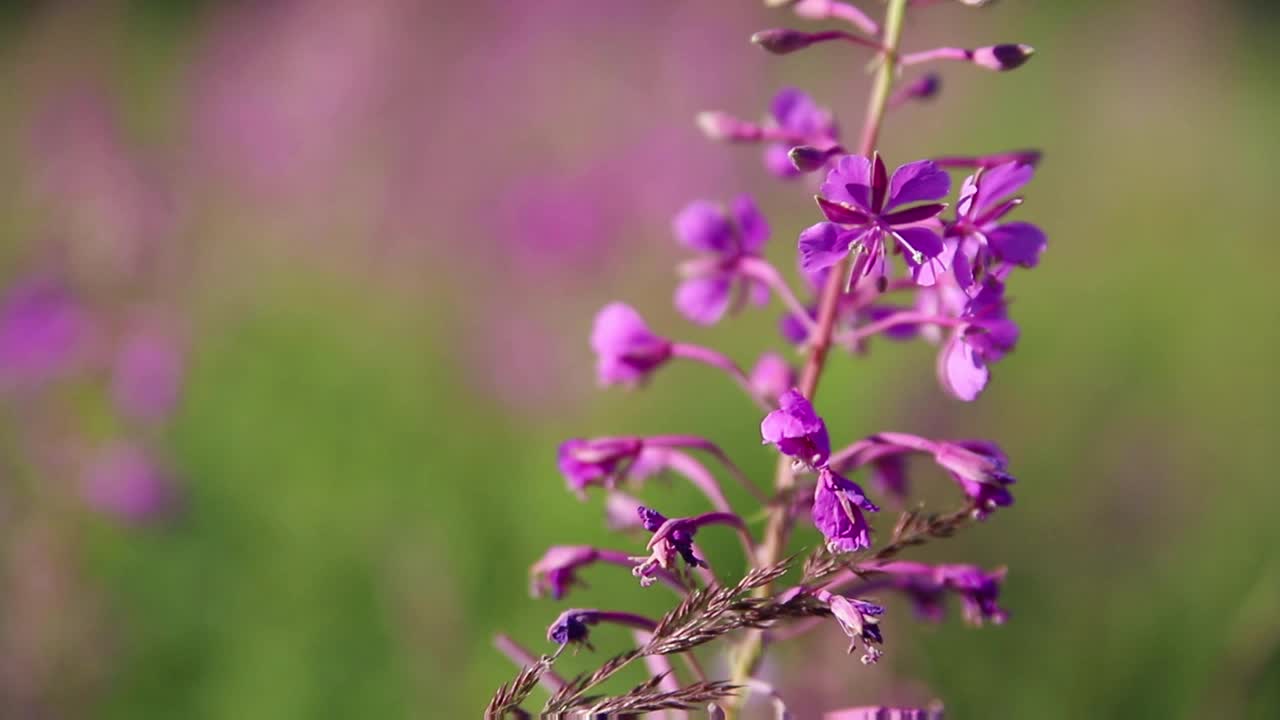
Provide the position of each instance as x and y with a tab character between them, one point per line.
916	182
823	245
1001	181
1018	242
927	256
798	114
961	372
844	527
705	300
704	226
879	184
839	213
753	228
849	182
778	162
915	214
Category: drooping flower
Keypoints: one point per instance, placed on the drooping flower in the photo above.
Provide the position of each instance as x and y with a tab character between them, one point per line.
860	620
626	350
671	539
571	627
984	337
838	504
980	469
866	209
979	591
985	198
555	571
598	461
797	431
772	376
713	283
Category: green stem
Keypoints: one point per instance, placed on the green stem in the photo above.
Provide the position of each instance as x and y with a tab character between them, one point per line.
778	530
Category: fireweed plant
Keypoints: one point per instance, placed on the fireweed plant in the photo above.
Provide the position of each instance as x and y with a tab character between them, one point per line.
893	255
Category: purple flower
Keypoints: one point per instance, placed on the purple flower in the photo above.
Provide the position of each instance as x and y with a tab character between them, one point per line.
600	461
984	337
626	350
772	376
42	329
122	481
979	467
985	198
797	431
889	475
713	282
147	377
860	620
571	627
837	512
554	573
671	539
979	591
864	207
799	121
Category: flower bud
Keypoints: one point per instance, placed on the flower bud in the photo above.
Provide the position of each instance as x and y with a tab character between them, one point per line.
781	41
718	125
1002	57
807	158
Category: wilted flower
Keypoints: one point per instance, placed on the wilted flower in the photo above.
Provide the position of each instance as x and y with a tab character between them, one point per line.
599	461
42	329
860	620
979	467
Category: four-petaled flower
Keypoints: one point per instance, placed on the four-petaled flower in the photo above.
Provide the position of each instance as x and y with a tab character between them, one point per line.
626	349
865	208
797	431
600	461
713	282
985	198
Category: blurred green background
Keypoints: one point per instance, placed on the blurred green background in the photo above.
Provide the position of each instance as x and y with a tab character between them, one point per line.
384	229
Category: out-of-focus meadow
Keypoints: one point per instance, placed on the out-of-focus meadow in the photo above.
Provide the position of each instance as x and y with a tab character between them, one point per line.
296	298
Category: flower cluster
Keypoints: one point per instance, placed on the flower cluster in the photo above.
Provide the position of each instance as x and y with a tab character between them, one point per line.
892	254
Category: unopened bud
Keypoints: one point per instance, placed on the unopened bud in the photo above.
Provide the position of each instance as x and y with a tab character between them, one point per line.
781	41
1002	57
808	158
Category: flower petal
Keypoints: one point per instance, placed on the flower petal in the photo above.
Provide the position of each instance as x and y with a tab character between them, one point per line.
849	182
753	228
925	253
916	182
916	214
705	300
823	245
841	213
960	370
702	225
1018	242
999	182
778	162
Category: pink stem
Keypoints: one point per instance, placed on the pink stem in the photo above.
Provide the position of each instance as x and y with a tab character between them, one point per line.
827	9
906	317
942	53
627	619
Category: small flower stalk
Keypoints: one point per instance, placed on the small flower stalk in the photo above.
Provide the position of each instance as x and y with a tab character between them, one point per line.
921	251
